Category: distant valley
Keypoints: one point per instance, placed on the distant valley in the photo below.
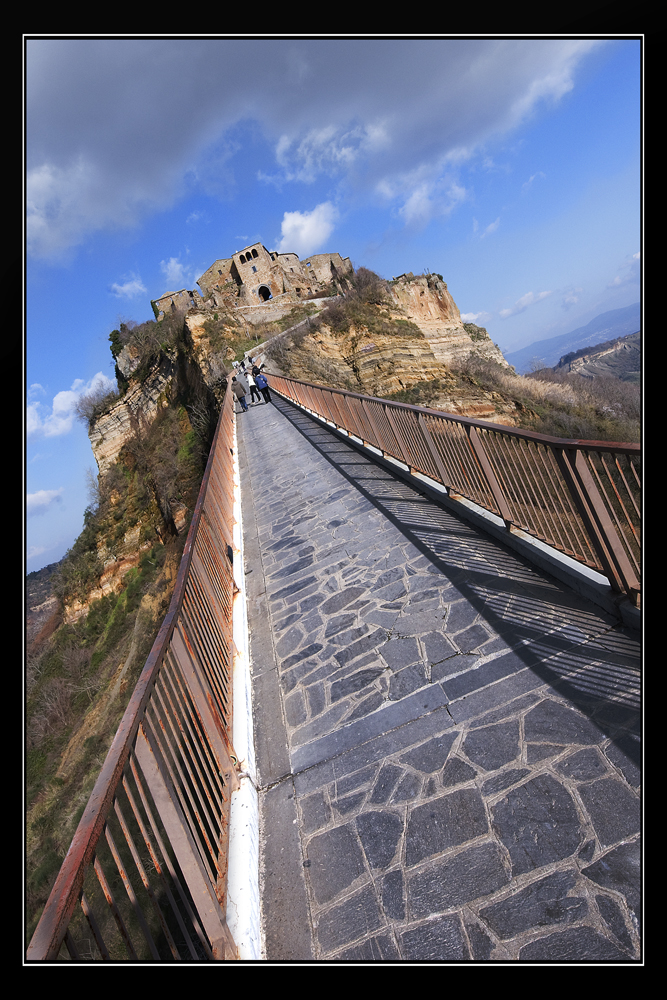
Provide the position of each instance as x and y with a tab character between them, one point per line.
620	358
604	328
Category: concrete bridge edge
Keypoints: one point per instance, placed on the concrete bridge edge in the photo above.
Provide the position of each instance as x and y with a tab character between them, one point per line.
283	913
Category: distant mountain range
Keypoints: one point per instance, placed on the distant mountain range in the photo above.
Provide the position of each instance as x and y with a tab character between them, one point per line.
620	358
606	326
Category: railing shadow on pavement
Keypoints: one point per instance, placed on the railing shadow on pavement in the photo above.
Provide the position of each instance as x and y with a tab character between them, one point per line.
579	651
581	498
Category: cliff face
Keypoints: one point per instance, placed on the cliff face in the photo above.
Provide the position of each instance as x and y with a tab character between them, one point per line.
148	448
134	412
415	336
427	302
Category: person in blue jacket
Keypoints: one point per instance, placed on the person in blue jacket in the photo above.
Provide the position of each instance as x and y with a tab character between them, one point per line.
263	386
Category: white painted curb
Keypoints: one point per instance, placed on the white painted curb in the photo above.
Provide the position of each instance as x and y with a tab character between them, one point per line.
243	912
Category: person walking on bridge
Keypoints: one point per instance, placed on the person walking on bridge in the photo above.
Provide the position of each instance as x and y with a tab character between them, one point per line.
254	391
262	384
239	392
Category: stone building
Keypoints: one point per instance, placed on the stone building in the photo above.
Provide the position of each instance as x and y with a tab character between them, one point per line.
255	275
180	301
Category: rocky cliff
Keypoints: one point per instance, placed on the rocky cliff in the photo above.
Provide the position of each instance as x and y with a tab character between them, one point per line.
409	343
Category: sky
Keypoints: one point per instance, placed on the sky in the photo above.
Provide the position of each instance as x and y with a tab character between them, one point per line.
511	166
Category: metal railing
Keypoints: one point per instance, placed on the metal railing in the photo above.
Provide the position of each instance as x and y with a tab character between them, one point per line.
583	498
146	874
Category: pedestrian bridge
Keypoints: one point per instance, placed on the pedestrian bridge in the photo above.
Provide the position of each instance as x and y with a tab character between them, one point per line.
393	712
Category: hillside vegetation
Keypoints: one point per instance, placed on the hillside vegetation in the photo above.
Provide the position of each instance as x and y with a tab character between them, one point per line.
330	350
84	665
564	404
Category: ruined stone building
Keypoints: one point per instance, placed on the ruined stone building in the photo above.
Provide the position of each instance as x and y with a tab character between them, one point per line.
255	276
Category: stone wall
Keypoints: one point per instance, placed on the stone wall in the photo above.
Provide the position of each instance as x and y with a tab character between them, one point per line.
172	302
255	275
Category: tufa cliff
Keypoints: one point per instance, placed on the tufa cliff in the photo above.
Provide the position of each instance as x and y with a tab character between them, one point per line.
403	339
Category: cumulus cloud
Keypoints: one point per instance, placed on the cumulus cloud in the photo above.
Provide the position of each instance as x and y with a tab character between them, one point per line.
474	317
176	274
60	419
116	125
131	287
529	299
306	232
42	501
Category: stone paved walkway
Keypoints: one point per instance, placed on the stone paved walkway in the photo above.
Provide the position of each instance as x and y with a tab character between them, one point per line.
447	739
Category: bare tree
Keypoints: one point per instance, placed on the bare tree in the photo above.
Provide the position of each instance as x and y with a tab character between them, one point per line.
90	404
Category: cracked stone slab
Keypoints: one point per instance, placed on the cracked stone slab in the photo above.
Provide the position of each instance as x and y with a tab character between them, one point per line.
457	724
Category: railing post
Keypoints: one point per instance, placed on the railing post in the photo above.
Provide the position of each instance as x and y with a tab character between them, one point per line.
433	450
597	521
185	849
405	451
489	475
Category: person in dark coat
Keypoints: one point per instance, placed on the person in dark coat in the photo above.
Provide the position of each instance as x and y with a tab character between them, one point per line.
263	385
239	392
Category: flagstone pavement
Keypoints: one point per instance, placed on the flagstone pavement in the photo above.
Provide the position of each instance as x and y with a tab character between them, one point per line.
447	738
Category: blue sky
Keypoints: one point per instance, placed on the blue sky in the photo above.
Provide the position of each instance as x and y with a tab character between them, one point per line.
510	166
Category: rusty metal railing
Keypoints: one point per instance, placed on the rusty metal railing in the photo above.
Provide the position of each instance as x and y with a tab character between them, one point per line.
145	876
582	498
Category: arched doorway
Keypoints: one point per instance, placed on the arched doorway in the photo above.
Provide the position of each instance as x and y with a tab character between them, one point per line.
264	292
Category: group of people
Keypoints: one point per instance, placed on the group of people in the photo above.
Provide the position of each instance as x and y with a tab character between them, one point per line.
253	381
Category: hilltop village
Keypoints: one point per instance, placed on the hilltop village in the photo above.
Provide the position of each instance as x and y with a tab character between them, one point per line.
255	276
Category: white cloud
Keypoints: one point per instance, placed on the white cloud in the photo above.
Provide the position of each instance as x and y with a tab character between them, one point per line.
571	298
176	274
529	299
491	228
529	182
306	232
41	501
328	149
143	114
132	287
629	273
418	209
428	199
34	551
60	419
33	421
473	317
